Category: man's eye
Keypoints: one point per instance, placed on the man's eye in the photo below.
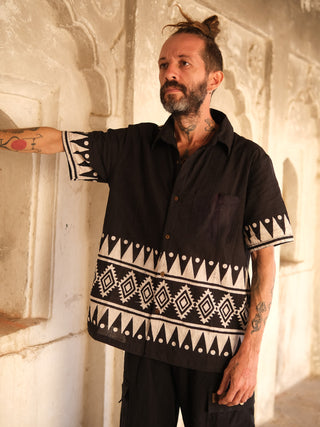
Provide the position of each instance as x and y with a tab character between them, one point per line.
163	66
185	63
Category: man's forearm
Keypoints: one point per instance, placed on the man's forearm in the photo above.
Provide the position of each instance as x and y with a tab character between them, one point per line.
33	140
263	268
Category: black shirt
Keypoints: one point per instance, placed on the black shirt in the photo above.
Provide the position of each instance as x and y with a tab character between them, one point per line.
172	279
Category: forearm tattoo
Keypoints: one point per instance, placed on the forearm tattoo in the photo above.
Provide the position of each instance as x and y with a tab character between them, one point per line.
261	316
15	143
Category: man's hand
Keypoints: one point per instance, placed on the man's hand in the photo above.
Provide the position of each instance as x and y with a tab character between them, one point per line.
239	378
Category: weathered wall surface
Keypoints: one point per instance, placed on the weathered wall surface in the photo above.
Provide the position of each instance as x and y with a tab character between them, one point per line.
54	74
93	64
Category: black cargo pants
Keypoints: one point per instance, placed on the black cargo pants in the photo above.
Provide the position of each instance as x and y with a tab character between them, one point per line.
153	392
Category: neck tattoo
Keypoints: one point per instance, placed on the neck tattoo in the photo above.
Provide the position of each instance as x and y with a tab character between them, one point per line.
211	126
187	129
209	129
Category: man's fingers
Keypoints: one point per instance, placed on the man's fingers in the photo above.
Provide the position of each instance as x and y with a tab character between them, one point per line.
229	398
224	384
236	396
247	395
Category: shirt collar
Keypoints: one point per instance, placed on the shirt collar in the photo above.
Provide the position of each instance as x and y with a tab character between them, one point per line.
224	135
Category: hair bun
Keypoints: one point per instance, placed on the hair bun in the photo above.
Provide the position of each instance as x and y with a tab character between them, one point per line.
213	25
208	28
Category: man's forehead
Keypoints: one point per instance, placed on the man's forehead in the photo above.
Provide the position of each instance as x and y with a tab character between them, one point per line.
179	55
182	45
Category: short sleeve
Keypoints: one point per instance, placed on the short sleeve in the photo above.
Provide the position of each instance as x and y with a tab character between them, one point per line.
266	219
93	156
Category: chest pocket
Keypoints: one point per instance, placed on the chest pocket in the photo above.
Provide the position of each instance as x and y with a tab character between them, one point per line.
216	215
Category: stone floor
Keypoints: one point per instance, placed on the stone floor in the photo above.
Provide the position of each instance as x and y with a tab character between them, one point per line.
298	406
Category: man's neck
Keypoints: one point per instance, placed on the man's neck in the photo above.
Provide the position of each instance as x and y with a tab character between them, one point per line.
193	131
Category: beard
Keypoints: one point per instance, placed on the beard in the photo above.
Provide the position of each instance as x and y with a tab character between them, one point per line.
189	103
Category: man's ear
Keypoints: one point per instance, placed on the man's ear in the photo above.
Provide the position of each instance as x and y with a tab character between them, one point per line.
214	80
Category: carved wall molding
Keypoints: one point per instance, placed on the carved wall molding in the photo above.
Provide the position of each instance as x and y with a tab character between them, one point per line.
303	95
108	8
310	5
88	60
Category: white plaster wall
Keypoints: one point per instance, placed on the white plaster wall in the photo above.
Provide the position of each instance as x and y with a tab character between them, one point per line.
43	385
42	368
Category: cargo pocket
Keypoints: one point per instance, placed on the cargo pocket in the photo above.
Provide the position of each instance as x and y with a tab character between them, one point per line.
124	415
231	416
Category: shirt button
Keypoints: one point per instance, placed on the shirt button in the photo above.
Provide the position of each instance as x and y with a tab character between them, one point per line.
167	236
162	274
156	311
176	198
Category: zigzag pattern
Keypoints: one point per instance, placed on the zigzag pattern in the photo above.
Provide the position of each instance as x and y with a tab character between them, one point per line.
180	267
76	145
275	229
204	340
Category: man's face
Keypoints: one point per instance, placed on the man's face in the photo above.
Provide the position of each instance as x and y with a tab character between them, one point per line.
182	74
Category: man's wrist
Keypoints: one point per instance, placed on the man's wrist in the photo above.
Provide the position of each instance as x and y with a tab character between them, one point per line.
251	342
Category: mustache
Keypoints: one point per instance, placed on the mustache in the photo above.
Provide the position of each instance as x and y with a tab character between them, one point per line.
173	83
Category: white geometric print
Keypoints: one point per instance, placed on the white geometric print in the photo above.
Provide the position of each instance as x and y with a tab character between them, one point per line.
210	296
226	310
76	146
176	270
107	280
183	302
162	297
206	306
128	287
256	234
155	327
146	292
243	314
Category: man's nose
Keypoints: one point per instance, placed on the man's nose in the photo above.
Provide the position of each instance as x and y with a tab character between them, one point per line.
171	72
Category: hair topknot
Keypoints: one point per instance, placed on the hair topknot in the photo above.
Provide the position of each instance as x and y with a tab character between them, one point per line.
208	31
208	28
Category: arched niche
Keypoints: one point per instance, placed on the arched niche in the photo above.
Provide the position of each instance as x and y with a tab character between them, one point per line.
88	61
301	152
228	98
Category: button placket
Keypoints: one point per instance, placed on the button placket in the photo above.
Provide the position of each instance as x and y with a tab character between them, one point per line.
172	213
